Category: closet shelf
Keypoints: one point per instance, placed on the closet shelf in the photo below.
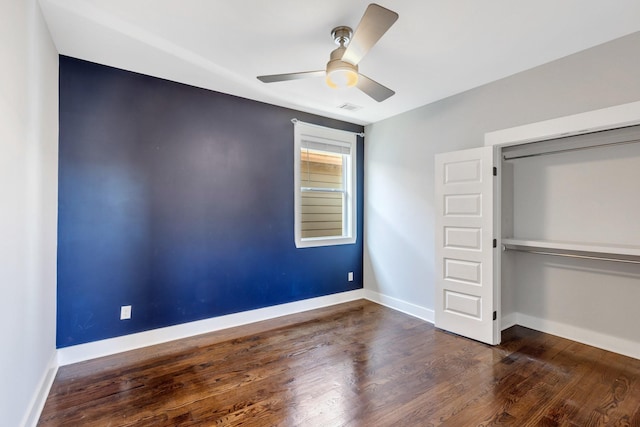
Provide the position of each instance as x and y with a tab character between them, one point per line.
619	252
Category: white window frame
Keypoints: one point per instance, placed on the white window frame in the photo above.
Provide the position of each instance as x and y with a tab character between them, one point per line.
306	134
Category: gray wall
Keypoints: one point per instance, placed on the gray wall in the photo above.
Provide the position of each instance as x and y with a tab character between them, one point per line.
28	185
399	153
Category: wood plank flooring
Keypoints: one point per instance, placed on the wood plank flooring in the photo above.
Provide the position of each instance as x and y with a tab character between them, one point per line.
354	364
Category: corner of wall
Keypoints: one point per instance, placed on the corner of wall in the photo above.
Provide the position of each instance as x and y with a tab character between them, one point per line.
41	393
405	307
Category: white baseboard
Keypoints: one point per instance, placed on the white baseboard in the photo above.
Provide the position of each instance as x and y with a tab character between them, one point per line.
82	352
400	305
574	333
508	320
584	336
40	396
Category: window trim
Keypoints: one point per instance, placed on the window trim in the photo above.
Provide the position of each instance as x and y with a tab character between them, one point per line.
323	135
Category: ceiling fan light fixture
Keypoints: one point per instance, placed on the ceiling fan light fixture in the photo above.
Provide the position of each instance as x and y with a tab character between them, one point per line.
341	78
340	74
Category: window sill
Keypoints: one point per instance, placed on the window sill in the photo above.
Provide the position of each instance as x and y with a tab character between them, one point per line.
324	241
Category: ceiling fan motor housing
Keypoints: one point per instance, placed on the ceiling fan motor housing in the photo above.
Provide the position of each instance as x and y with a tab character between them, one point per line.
341	73
341	35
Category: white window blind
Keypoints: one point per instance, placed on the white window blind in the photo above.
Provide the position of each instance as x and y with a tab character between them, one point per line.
333	147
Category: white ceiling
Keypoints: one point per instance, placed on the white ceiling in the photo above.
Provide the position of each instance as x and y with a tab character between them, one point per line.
437	48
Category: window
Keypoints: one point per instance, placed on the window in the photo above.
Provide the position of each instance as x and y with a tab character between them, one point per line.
325	186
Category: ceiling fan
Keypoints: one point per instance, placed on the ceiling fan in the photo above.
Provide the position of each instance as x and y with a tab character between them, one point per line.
342	68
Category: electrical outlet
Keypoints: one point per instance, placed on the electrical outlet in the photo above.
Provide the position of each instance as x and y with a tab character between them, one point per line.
125	312
350	276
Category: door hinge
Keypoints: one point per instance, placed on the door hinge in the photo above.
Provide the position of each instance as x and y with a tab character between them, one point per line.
495	243
495	171
495	315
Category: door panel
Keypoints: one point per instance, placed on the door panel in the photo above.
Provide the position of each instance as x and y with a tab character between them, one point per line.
466	285
463	205
461	304
463	271
462	238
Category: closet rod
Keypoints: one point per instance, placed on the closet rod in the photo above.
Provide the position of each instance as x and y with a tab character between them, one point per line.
565	150
628	261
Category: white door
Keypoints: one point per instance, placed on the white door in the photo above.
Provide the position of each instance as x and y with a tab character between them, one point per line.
467	285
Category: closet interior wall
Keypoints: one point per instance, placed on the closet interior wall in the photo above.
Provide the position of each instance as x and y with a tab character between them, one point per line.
582	197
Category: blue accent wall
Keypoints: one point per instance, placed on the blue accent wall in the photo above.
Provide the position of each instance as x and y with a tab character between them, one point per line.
179	201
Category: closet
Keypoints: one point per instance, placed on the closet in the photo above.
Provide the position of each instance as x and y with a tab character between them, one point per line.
542	231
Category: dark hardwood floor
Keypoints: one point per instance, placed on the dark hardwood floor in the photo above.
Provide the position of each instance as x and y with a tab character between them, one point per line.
354	364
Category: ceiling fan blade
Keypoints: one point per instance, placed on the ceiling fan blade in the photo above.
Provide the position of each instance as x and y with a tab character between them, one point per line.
374	89
291	76
374	23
